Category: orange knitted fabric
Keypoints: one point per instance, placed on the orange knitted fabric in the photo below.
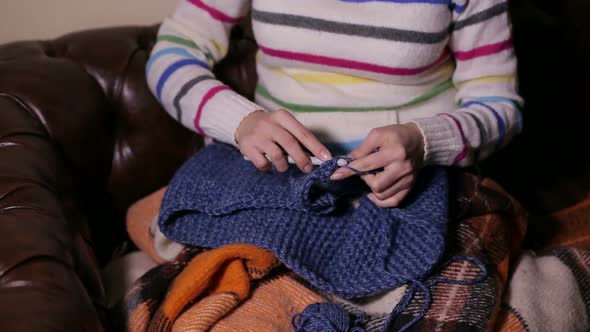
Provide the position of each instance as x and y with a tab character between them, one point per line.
225	273
139	217
268	309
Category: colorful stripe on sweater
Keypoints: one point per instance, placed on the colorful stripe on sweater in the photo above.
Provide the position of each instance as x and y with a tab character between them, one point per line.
345	67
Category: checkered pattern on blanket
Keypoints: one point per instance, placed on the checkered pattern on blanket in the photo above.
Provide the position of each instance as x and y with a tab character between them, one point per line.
523	291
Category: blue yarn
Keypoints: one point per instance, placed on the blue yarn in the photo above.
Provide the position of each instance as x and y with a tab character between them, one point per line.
307	221
333	318
326	317
356	171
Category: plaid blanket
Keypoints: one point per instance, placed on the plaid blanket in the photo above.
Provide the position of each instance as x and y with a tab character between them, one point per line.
490	225
521	291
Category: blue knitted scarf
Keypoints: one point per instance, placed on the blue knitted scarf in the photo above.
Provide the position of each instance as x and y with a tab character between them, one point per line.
308	221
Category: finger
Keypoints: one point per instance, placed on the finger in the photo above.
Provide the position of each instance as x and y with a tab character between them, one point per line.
293	149
368	146
393	201
303	135
403	183
372	162
390	175
256	157
276	156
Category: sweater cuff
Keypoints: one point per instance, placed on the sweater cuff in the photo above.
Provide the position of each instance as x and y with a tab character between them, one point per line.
442	140
224	115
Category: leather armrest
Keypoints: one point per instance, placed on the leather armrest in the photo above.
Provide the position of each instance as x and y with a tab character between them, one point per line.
43	255
81	139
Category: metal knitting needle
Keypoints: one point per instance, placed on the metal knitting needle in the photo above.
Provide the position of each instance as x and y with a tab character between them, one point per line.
314	160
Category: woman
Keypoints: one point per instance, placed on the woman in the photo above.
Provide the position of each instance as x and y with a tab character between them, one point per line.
397	84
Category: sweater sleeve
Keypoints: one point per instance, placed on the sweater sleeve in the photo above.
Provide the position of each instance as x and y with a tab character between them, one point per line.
488	115
189	43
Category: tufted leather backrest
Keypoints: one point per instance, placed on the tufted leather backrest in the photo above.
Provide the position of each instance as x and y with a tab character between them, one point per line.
81	138
88	90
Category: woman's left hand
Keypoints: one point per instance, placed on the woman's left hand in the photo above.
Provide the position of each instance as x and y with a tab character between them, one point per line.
399	151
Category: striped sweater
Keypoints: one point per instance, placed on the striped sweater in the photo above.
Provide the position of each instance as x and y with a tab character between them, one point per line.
343	67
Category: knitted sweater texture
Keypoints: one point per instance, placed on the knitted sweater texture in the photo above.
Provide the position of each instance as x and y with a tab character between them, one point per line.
218	198
343	67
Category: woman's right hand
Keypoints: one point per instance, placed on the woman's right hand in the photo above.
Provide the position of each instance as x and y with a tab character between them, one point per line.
265	137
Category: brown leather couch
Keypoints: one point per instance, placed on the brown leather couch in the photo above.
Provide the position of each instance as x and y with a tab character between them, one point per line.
81	138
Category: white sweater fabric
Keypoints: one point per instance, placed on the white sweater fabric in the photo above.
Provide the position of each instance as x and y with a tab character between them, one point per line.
344	67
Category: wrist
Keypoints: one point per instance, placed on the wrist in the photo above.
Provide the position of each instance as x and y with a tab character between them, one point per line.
417	141
245	123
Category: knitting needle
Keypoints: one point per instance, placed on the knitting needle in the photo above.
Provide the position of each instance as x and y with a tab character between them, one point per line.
314	160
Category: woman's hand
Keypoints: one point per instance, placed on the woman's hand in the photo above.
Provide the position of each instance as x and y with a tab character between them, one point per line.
399	151
264	137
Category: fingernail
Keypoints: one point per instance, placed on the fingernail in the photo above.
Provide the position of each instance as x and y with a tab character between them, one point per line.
336	176
325	155
308	168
